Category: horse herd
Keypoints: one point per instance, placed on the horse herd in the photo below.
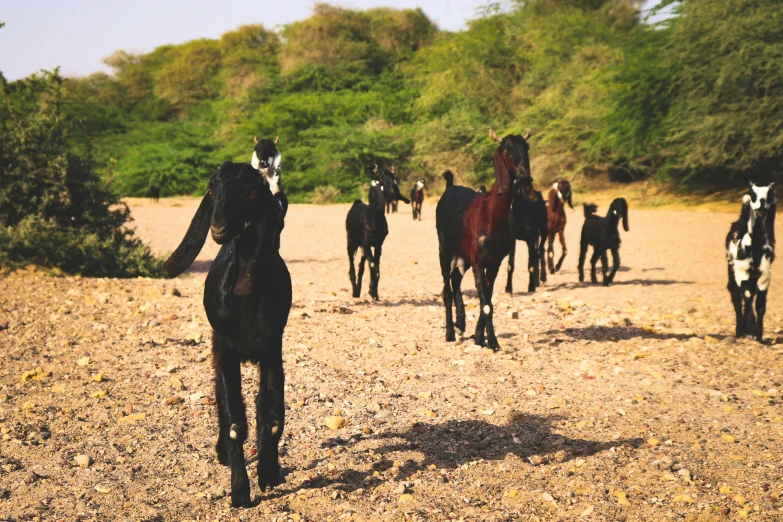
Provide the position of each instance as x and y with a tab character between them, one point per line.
248	292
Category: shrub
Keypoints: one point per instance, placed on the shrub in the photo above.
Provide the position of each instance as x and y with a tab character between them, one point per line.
54	209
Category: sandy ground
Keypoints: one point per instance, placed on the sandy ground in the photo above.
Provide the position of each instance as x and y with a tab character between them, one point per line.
623	403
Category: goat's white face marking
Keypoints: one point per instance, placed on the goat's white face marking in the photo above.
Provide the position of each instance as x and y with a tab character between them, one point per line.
560	195
255	161
419	185
374	183
487	309
760	193
765	274
555	186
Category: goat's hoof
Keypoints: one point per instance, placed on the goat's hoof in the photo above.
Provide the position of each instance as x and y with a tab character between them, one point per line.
270	479
494	345
450	337
606	283
241	499
222	453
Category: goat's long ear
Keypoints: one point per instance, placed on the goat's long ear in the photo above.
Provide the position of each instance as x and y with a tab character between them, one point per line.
194	239
625	216
570	196
502	171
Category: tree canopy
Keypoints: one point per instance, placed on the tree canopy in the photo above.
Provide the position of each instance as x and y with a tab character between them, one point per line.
695	98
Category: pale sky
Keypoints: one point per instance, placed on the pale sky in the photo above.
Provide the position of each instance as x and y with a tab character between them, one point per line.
78	34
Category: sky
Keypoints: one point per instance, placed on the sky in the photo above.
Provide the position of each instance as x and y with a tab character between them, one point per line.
78	34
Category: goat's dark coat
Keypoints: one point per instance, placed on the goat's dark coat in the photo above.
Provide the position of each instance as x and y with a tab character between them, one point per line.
366	227
247	298
528	220
602	234
750	251
474	231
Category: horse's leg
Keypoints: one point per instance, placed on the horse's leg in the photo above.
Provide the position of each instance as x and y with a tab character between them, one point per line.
561	234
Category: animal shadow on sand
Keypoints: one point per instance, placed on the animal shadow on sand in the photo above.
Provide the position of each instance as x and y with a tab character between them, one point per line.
617	333
642	282
455	442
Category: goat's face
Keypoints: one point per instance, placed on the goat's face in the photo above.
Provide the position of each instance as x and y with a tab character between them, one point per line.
267	155
563	188
760	198
421	184
516	148
236	190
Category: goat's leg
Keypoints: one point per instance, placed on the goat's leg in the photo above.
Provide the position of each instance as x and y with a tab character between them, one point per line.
375	272
541	253
748	293
492	273
532	266
604	265
761	309
581	264
445	270
361	274
561	235
355	290
736	300
550	251
512	250
229	389
593	262
615	266
419	212
481	290
270	421
456	286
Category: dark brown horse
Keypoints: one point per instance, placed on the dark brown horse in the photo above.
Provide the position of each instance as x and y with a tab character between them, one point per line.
559	195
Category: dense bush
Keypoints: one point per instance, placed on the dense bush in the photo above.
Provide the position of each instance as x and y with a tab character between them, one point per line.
697	97
55	210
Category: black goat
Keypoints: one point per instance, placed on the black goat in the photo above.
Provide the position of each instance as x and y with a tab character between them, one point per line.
750	250
154	193
482	189
602	234
266	158
529	223
247	297
417	198
366	227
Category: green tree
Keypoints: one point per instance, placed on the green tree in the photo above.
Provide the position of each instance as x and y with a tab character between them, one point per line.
54	209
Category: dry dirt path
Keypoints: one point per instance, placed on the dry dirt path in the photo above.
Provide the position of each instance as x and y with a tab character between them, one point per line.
620	403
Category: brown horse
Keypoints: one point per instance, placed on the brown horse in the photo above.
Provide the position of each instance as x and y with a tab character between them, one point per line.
559	195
